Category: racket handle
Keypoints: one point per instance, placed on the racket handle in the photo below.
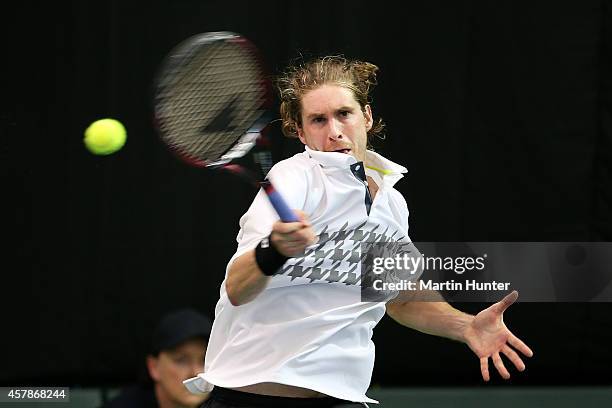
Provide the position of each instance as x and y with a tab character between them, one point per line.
284	212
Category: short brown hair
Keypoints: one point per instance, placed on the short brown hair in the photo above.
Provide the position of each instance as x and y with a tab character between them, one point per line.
298	79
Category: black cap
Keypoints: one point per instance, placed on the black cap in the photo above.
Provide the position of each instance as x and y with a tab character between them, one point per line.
177	327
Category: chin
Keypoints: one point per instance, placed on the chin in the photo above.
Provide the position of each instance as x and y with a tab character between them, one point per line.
192	400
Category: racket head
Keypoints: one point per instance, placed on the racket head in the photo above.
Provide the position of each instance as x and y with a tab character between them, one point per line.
212	98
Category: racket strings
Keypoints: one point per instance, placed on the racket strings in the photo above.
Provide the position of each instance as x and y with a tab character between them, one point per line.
187	107
212	101
212	84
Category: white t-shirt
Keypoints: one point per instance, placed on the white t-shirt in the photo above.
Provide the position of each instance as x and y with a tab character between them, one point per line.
309	328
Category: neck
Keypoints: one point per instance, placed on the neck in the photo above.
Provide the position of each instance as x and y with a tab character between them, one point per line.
372	186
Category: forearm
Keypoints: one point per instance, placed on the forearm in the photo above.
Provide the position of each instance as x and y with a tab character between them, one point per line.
431	317
244	279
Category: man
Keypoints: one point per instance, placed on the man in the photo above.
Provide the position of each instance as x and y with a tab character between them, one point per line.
290	326
177	353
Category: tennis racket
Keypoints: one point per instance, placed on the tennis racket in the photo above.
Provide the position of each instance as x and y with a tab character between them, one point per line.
212	101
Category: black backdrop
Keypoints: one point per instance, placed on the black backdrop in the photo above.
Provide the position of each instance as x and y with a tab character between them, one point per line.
500	110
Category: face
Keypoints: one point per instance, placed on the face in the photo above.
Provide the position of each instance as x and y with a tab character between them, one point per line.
333	121
171	367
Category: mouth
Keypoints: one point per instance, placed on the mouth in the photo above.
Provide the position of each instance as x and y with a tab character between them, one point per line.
345	151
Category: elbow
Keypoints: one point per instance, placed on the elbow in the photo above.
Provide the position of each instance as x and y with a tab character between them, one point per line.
232	294
235	302
240	285
236	294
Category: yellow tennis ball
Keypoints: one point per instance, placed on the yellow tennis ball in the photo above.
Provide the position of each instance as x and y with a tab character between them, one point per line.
105	136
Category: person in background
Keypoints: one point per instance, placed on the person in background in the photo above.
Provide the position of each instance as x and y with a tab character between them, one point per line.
178	347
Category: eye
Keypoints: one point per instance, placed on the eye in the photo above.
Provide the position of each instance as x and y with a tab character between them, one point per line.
181	360
318	119
344	113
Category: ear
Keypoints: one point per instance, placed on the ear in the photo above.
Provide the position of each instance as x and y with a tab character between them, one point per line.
300	134
152	367
369	118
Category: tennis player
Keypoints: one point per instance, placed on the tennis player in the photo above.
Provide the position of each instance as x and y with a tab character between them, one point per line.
290	328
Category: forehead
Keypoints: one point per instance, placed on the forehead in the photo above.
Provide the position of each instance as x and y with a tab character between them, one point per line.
191	346
328	98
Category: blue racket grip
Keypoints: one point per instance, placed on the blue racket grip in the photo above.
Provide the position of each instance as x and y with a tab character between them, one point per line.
284	212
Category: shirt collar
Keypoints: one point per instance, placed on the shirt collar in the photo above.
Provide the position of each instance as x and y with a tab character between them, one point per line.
377	166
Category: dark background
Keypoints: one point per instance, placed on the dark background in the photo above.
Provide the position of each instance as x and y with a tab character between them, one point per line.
499	109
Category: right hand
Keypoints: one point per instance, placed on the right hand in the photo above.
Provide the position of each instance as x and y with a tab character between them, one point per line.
292	238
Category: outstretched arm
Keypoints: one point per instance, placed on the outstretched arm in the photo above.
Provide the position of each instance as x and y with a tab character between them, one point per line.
485	334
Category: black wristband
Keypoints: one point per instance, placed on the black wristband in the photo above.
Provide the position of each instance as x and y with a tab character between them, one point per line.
268	259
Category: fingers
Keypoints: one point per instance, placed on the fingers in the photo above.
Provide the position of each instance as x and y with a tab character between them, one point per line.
288	227
505	303
302	237
499	364
512	356
519	345
292	238
484	368
294	232
302	216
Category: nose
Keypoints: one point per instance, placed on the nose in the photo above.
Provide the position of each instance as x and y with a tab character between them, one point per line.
335	130
196	368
